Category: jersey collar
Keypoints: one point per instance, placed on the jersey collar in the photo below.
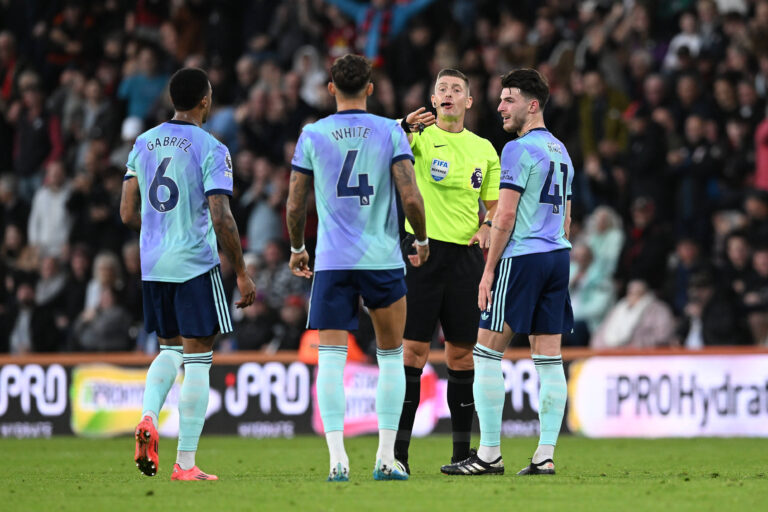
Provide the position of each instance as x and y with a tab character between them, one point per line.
176	121
352	111
540	128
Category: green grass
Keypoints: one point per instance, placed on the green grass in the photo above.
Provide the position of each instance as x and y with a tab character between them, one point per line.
288	474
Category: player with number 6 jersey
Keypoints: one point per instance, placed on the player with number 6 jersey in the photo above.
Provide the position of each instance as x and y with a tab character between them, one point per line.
177	240
176	192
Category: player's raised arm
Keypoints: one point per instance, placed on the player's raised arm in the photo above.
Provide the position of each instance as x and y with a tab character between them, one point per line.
130	204
229	239
296	218
413	206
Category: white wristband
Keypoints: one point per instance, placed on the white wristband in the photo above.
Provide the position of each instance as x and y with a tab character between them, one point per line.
299	250
422	243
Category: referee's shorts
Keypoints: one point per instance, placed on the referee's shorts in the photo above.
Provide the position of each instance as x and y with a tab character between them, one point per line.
445	289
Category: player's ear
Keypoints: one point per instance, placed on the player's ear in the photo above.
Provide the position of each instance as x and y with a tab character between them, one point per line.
331	89
533	107
434	101
369	89
469	102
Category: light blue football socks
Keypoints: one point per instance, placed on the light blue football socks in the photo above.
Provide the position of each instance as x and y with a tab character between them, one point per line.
553	393
160	378
390	393
332	402
192	405
488	390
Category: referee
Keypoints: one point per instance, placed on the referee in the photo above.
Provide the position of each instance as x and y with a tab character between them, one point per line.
454	168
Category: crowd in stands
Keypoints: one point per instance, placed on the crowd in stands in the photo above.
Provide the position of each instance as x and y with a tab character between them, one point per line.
662	106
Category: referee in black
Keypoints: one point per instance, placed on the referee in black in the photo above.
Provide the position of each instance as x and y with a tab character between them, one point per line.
455	170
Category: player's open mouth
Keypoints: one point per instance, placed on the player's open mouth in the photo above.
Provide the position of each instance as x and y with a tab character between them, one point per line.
447	105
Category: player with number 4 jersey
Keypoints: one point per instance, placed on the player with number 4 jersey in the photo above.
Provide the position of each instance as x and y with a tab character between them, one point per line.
356	160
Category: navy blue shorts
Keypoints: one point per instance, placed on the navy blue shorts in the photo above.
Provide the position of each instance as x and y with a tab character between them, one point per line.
532	296
194	309
335	296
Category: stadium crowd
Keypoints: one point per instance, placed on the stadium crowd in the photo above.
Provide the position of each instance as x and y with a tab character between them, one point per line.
660	104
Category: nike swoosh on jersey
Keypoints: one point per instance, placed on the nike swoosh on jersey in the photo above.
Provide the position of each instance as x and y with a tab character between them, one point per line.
440	146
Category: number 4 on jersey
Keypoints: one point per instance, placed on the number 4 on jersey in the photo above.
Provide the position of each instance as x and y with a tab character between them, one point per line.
363	190
556	200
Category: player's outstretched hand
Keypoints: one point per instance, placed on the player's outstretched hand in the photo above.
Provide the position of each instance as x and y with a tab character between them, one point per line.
421	256
482	237
299	264
484	292
420	116
247	291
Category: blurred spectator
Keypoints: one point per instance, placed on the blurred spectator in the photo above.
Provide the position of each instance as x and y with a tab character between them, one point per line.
591	293
711	317
263	199
293	318
761	153
275	278
49	220
647	244
33	328
130	129
13	209
77	283
639	320
602	131
255	329
105	327
38	135
605	238
141	88
379	22
688	37
131	294
756	208
106	276
756	296
686	262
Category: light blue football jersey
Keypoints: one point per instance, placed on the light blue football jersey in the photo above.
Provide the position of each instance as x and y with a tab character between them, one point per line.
178	165
350	155
538	166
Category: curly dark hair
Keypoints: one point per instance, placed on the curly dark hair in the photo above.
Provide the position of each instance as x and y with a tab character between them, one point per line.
530	82
188	87
351	74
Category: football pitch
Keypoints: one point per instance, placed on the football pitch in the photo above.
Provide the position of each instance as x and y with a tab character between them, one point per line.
289	474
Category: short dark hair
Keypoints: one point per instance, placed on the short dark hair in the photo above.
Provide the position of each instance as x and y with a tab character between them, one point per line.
453	72
351	74
530	82
188	87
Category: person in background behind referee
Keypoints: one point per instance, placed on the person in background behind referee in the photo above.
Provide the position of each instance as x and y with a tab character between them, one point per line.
454	168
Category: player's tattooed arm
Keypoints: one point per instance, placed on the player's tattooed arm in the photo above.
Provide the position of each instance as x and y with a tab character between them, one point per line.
413	203
229	239
296	207
226	230
130	204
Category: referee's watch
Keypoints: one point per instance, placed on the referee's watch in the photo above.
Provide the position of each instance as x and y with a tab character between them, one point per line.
487	222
